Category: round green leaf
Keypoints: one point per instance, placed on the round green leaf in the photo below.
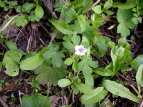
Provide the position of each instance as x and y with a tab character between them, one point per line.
68	61
28	6
64	82
30	101
111	44
39	12
97	9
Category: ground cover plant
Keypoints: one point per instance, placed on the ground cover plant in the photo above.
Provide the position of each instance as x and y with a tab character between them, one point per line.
71	53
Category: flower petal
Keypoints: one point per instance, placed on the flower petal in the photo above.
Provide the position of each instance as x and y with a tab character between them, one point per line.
80	50
77	47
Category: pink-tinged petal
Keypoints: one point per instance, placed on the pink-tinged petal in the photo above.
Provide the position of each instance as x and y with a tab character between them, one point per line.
80	50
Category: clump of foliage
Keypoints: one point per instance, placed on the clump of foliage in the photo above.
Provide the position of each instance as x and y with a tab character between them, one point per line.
80	49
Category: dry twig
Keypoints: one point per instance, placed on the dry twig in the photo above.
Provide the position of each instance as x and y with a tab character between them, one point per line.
7	24
3	102
93	5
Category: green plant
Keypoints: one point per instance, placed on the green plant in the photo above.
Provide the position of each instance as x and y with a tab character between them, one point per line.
32	12
35	100
11	59
28	12
6	5
80	56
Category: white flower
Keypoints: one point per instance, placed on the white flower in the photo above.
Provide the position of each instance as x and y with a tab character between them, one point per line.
80	50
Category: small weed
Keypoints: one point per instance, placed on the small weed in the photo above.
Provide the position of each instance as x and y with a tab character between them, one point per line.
80	55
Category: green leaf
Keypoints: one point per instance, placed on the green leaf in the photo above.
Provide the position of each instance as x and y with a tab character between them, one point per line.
75	39
76	27
2	4
18	9
39	12
120	90
128	5
83	88
87	4
12	68
20	20
125	16
94	96
67	15
30	101
96	20
62	27
57	59
35	84
135	20
102	46
82	5
68	61
101	43
123	42
33	62
28	6
118	56
139	75
103	72
11	61
97	9
36	100
10	45
75	66
123	30
55	56
111	44
125	68
44	101
83	22
140	19
33	18
137	62
125	19
69	46
49	74
89	80
64	82
85	66
89	32
108	4
59	6
49	54
66	106
67	38
12	3
75	89
109	12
